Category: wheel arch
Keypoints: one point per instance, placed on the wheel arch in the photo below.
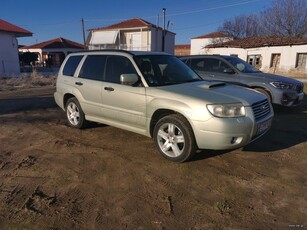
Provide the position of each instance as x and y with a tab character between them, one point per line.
66	97
264	89
159	113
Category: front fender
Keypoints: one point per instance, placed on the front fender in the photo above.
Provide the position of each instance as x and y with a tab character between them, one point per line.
196	112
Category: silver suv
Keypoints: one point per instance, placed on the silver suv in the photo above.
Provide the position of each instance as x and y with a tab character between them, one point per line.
157	95
280	90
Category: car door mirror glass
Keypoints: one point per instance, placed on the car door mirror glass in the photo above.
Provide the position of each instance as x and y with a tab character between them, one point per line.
229	70
128	79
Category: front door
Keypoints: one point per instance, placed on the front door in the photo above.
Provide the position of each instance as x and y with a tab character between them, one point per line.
214	69
124	104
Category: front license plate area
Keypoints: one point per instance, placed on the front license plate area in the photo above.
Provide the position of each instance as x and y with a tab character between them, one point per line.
263	127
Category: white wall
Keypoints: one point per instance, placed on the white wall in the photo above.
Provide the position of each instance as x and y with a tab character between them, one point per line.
170	43
143	39
9	59
198	44
242	53
156	41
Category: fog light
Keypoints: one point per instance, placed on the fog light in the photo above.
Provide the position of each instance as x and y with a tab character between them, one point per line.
236	140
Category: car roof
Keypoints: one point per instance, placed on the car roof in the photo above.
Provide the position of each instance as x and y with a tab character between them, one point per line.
116	51
203	55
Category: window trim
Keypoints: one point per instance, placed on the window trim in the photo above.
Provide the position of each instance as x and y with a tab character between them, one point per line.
297	61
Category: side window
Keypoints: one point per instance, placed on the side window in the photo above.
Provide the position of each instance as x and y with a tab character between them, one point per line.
197	64
215	65
117	65
93	67
71	65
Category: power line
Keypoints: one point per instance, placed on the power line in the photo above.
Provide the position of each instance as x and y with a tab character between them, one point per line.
214	8
146	17
197	26
181	13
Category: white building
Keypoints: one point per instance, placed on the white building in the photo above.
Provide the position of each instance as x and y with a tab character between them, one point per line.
132	34
199	43
9	59
53	52
270	54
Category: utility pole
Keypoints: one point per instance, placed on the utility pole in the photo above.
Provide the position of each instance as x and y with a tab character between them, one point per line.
83	34
163	31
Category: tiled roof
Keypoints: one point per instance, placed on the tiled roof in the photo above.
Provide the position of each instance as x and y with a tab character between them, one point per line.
131	23
253	42
213	35
18	31
128	24
183	46
56	43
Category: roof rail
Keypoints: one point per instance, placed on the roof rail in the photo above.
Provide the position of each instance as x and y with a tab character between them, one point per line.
105	50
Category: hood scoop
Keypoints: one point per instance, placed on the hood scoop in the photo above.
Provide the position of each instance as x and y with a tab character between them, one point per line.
211	85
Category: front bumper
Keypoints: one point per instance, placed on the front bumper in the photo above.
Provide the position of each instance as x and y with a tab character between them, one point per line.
230	133
288	97
292	99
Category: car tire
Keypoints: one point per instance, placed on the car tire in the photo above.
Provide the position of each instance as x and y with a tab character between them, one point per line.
265	92
174	138
74	114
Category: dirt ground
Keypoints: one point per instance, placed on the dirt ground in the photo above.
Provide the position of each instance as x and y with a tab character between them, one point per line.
56	177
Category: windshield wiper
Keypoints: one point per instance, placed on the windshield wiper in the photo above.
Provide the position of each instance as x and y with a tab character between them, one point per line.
193	80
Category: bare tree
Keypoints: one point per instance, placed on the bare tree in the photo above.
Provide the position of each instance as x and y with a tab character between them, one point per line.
285	18
241	26
282	18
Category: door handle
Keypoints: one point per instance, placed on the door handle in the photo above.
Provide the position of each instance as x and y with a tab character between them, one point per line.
212	75
108	88
78	83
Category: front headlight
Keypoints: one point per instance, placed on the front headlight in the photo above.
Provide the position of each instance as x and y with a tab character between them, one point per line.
227	110
281	85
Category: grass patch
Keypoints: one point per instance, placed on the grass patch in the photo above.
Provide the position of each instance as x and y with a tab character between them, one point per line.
35	79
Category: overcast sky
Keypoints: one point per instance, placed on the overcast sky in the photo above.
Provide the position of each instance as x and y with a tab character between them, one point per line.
62	18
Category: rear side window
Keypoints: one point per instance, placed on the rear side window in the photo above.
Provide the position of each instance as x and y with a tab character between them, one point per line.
71	65
93	67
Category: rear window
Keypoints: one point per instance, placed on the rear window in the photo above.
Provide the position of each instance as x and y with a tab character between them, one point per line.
71	65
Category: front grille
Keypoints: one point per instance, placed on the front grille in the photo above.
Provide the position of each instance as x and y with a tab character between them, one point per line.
261	109
299	88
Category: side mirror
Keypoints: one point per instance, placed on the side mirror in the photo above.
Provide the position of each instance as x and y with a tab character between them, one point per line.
229	71
128	79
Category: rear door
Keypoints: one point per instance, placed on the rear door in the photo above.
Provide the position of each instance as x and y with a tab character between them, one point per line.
89	83
124	104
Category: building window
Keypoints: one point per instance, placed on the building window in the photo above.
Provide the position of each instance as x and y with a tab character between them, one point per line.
254	60
301	60
275	60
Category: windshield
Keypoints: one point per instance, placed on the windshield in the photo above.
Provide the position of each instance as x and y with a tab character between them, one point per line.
159	70
241	65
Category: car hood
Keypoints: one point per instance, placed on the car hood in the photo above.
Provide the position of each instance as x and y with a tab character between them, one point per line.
274	77
207	92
